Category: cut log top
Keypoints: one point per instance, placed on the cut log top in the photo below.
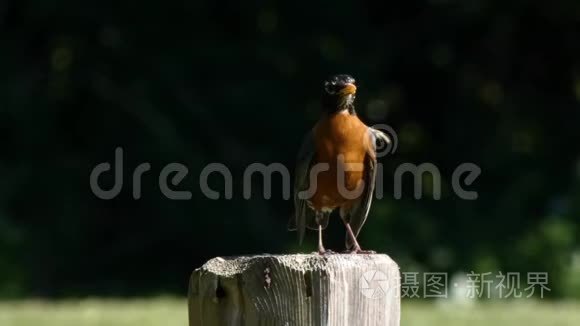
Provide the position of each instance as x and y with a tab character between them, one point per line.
300	289
228	266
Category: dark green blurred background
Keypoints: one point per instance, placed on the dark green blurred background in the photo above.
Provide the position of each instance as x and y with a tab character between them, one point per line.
493	83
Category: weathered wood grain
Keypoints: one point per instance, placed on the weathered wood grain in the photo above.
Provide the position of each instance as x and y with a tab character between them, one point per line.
288	290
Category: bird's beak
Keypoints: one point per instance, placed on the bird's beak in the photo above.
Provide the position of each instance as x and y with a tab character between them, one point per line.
348	89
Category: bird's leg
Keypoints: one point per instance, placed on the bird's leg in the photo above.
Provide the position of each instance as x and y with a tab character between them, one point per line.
356	249
319	217
321	249
356	246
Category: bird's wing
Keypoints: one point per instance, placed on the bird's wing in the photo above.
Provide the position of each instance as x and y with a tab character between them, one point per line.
360	210
303	214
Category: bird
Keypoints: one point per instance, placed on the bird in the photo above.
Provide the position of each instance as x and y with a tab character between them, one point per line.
336	166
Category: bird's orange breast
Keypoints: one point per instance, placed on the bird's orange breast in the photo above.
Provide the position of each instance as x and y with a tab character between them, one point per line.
342	142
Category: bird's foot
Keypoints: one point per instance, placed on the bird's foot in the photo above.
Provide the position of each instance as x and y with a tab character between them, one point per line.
322	252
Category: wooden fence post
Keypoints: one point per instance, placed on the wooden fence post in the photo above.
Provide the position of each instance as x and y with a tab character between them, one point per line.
296	290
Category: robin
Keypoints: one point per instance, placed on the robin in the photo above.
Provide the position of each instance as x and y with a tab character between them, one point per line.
336	166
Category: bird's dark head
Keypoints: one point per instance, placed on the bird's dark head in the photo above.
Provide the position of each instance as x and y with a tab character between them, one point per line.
339	94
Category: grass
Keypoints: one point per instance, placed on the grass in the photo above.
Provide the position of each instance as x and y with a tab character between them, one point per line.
500	313
170	311
158	312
